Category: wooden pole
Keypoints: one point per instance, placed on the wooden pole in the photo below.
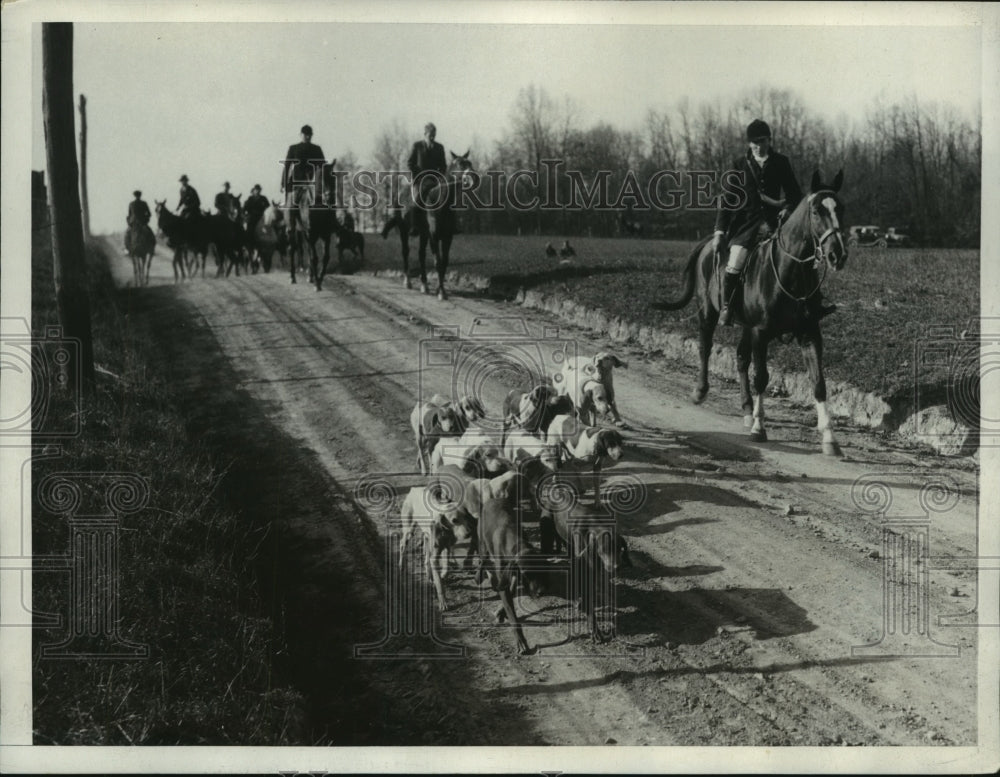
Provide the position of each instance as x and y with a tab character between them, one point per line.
64	200
84	201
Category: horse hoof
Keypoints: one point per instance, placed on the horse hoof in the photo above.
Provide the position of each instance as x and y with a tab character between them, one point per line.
423	288
442	295
293	280
747	421
698	396
832	449
760	436
407	284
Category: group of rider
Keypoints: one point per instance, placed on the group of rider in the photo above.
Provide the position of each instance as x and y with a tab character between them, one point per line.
770	185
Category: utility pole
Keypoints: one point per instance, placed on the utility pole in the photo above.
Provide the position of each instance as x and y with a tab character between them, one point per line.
64	199
84	201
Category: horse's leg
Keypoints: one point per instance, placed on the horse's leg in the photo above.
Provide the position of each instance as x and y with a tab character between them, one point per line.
404	242
760	380
743	356
422	258
326	260
811	343
708	318
443	253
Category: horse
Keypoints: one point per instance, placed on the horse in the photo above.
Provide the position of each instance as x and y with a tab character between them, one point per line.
436	226
782	282
228	238
183	235
268	235
141	245
307	224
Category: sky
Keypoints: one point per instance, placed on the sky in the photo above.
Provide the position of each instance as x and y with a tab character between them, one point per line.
224	101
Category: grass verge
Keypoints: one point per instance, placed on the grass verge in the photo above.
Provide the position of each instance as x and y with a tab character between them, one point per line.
185	563
887	299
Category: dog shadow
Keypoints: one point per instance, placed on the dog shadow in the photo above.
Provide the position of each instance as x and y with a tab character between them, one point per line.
696	615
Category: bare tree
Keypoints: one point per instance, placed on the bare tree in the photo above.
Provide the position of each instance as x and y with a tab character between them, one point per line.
64	193
392	147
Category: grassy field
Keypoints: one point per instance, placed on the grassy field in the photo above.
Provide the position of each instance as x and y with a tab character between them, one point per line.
186	564
886	298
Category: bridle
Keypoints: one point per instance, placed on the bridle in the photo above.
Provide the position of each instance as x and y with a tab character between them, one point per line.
818	256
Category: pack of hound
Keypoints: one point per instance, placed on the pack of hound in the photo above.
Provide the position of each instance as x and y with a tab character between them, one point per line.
484	485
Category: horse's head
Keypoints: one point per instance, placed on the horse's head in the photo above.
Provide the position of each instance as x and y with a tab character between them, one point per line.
235	208
826	219
461	167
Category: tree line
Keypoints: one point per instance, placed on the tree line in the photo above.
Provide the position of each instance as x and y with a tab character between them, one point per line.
911	165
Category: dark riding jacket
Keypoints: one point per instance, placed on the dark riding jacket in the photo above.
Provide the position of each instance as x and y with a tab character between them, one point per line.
223	202
138	213
424	158
190	202
764	186
255	205
297	167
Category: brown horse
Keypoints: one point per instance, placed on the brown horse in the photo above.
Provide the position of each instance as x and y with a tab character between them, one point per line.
308	224
141	244
780	297
437	225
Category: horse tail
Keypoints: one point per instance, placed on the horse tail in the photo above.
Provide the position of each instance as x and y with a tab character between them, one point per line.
689	277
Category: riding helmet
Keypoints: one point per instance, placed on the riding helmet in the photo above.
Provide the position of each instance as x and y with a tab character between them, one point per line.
306	130
758	129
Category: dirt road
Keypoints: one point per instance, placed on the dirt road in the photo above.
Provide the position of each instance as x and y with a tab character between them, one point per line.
760	571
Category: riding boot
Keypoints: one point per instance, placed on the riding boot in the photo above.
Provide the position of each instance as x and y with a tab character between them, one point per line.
730	282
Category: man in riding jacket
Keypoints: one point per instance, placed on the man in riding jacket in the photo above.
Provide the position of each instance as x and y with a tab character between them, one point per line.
138	210
772	192
254	208
426	155
302	175
138	214
190	203
224	201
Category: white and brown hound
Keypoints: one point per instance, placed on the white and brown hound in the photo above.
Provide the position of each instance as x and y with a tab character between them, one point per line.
588	446
438	418
441	525
591	384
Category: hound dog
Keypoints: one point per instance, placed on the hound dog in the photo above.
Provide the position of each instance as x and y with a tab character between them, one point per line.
591	384
587	445
533	410
475	451
507	560
441	525
454	485
438	418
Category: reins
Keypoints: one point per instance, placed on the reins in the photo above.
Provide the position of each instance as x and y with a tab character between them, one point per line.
817	257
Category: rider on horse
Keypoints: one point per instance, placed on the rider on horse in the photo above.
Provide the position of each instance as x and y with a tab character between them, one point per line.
302	175
190	202
138	216
427	155
767	176
254	208
224	201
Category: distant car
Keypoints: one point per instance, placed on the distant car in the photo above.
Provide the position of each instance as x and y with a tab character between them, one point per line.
895	238
869	235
